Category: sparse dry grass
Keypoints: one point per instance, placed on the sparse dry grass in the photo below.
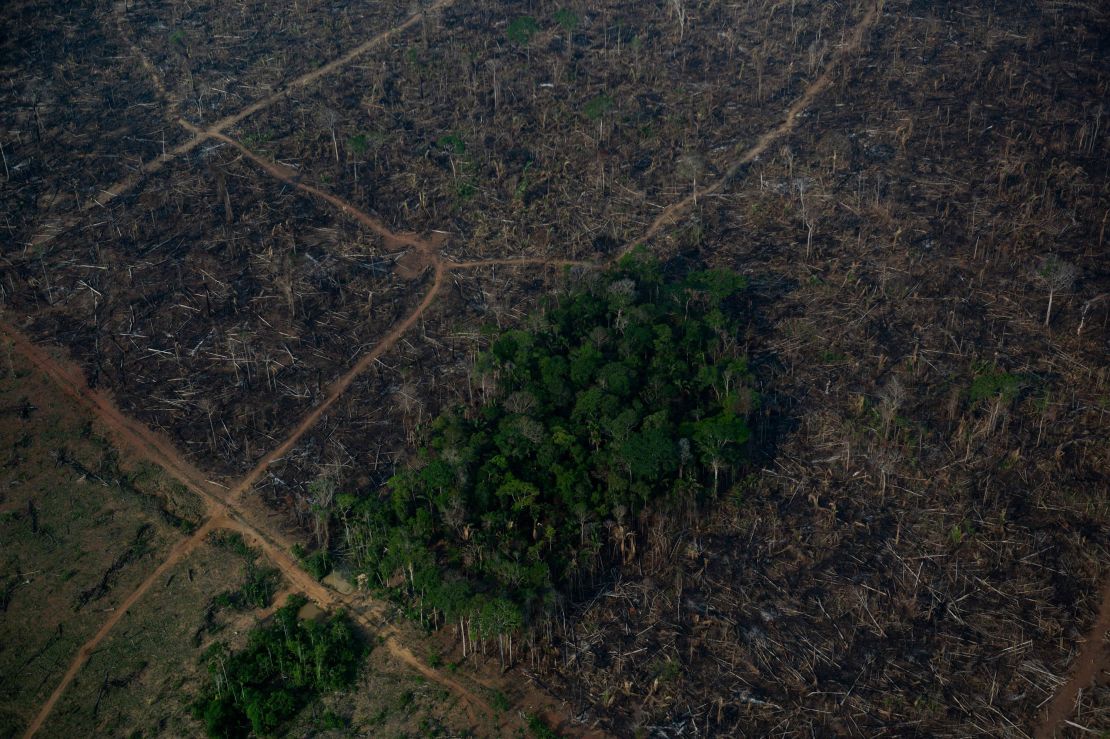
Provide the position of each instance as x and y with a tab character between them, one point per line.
80	528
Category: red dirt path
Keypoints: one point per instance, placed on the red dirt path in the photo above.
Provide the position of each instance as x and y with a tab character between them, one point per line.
1093	658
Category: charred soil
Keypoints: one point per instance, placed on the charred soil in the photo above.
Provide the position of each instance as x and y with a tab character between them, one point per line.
281	237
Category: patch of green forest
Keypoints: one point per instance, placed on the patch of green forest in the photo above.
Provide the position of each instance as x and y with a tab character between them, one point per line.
629	390
286	664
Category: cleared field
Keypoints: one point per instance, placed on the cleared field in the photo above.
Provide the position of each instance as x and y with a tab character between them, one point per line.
554	132
356	445
927	521
916	191
143	676
218	58
76	115
80	528
216	305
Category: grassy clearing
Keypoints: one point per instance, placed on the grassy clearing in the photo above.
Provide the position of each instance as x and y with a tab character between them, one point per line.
143	676
79	529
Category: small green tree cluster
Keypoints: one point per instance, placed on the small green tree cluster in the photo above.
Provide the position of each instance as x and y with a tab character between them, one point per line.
521	29
285	665
257	590
317	563
626	392
994	384
259	581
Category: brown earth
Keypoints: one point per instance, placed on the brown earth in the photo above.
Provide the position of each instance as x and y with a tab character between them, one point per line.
231	507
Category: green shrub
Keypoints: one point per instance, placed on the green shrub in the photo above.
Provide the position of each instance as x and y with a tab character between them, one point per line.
359	144
465	190
500	701
996	384
232	541
259	588
404	700
567	19
332	720
259	584
452	143
597	107
522	29
539	729
666	670
317	563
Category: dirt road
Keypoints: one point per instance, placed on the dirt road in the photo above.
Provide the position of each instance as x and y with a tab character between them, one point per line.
223	514
1093	659
852	45
181	550
201	135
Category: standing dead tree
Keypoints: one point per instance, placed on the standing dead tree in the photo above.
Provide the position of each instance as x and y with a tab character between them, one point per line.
807	215
678	7
328	117
691	167
1057	276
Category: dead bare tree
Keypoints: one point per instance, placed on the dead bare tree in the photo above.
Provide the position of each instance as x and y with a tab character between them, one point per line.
807	215
678	7
1086	309
493	65
329	118
1056	276
691	167
890	400
322	490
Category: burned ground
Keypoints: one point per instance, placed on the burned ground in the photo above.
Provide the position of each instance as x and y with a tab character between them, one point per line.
918	545
933	523
75	114
362	438
558	135
218	58
213	304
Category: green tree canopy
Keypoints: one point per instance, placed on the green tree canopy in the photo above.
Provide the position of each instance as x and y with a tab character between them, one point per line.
284	666
625	391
